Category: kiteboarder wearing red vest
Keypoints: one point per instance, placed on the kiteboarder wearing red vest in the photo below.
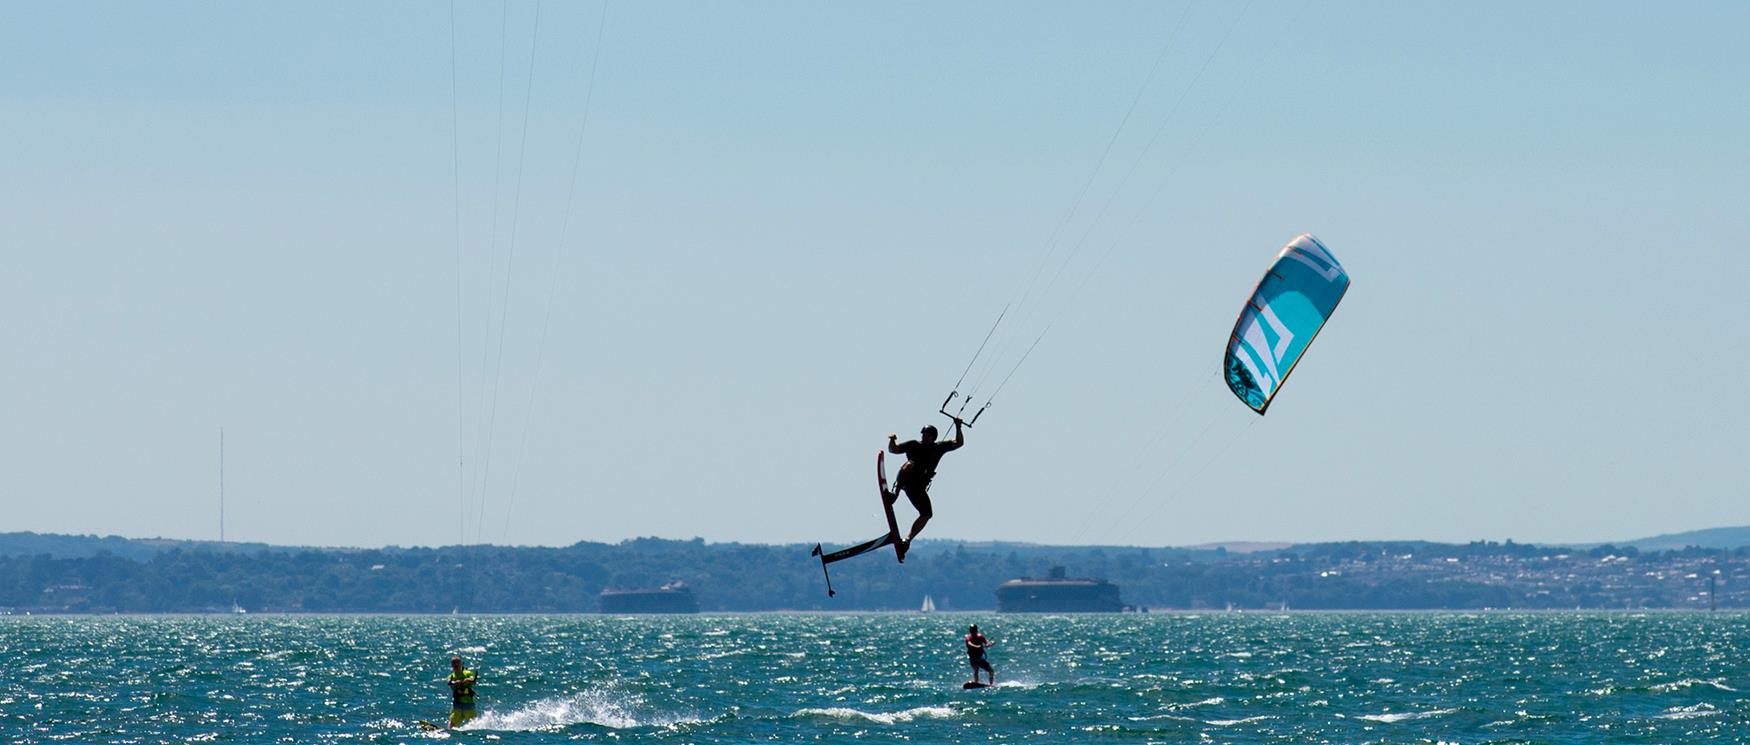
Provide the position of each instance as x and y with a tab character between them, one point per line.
976	644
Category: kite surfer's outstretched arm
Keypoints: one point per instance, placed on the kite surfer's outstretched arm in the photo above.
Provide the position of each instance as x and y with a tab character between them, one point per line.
895	446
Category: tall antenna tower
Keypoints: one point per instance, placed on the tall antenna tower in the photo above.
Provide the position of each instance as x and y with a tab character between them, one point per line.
221	484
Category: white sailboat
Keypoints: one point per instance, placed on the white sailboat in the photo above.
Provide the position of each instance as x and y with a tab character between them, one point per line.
929	605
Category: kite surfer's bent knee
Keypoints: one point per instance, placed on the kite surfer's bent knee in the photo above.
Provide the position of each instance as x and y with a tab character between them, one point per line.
921	457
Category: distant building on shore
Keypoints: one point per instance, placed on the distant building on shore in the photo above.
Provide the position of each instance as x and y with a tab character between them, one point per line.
674	597
1058	594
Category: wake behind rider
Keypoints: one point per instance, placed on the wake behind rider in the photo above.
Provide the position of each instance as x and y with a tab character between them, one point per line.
921	457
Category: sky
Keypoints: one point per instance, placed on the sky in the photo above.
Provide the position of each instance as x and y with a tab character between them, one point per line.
536	274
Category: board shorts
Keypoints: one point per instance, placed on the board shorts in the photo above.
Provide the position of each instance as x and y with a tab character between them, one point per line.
980	663
909	476
915	484
460	715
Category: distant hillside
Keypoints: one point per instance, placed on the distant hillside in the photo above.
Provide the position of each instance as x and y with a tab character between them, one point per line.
140	549
117	575
1242	547
137	549
1724	538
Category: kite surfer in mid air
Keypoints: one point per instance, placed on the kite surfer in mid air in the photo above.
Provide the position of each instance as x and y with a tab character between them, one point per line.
921	457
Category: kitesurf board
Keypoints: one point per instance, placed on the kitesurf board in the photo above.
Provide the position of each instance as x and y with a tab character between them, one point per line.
857	550
970	686
428	726
891	536
887	500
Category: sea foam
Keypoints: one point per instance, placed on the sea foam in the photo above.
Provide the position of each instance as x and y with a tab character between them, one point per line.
846	713
600	707
1406	716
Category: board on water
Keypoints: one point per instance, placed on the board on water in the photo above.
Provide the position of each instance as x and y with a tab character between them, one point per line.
428	726
887	500
972	685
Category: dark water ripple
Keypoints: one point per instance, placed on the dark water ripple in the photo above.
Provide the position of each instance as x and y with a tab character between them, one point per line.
1244	678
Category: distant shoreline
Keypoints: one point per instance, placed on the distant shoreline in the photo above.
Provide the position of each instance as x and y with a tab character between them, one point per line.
108	576
1175	613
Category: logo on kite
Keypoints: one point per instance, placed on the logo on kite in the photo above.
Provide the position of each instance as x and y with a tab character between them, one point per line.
1285	313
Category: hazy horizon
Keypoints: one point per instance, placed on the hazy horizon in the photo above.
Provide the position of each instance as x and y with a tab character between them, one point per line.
925	539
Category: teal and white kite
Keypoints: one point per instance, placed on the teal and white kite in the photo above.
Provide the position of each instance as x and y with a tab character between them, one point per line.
1291	304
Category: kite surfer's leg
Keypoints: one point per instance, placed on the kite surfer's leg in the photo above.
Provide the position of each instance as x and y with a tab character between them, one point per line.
917	527
901	482
985	665
920	499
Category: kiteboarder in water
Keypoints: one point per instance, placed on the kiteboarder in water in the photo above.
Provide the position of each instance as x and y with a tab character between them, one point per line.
921	457
975	646
461	693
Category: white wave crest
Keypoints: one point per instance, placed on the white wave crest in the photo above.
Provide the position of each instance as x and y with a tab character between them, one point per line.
1213	701
848	714
604	708
1689	712
1164	718
1406	716
1678	685
1231	722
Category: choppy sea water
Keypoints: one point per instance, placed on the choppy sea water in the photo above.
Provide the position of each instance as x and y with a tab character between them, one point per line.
1305	678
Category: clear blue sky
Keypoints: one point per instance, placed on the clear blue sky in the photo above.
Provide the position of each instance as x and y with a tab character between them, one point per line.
793	223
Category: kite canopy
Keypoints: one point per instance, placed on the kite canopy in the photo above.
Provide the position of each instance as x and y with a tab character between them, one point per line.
1293	301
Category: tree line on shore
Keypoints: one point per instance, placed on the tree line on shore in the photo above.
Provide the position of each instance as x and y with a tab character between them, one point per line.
733	577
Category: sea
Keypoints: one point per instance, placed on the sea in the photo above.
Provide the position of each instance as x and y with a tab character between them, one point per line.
877	678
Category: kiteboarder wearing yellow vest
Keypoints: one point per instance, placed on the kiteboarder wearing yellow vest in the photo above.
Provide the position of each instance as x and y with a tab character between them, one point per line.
461	693
921	457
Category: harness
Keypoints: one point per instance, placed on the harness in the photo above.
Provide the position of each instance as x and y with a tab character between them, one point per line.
975	651
462	689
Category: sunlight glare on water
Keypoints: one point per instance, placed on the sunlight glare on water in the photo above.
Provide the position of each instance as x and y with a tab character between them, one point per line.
1469	678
